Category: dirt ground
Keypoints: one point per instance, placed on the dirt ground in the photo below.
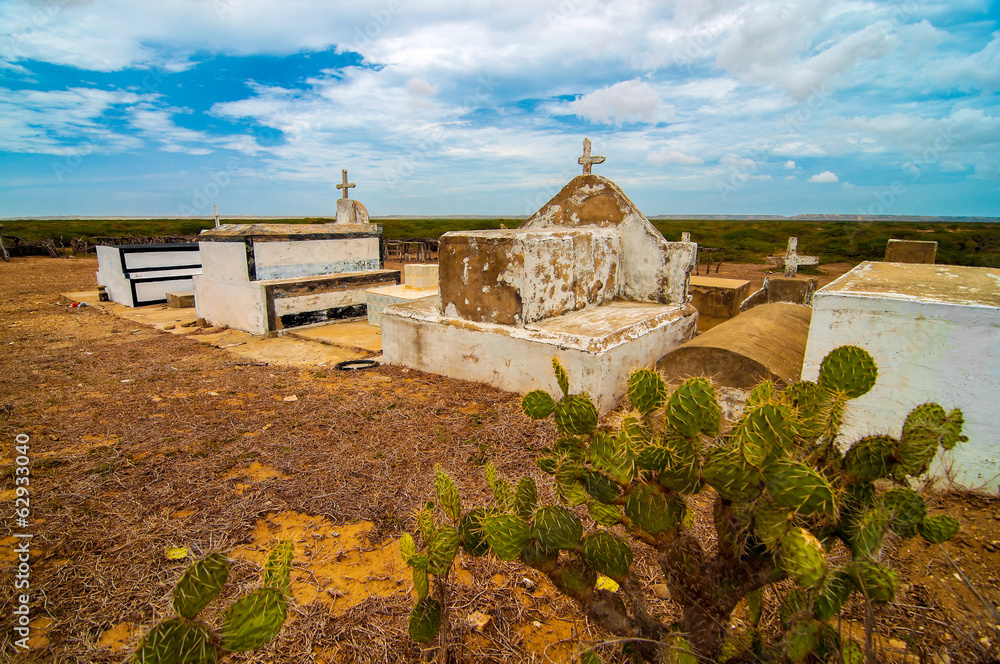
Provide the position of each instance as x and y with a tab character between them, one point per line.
141	440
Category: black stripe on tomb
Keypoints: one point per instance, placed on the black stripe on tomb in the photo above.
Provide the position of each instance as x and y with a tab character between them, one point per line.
323	315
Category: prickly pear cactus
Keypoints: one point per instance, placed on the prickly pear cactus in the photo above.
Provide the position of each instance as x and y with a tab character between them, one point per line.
249	623
784	487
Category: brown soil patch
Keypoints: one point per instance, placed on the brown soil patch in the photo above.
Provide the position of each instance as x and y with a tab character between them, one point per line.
142	439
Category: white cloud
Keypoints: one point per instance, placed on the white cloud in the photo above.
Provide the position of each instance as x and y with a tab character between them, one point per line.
979	71
824	177
627	101
847	185
789	165
674	157
420	87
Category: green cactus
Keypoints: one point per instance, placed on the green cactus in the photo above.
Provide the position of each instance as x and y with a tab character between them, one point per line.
848	370
253	620
561	378
538	404
646	391
200	584
782	492
556	528
425	620
447	494
177	641
938	529
607	554
576	415
442	549
507	535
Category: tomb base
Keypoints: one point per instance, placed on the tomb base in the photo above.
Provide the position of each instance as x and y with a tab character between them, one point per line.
598	346
717	300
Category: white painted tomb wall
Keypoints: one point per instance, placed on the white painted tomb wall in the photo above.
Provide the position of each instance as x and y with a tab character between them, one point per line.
934	331
137	275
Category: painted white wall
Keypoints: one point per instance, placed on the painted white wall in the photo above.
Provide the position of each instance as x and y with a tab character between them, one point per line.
935	350
224	261
235	305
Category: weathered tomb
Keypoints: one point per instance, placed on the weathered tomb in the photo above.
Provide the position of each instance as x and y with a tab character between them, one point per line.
349	211
766	343
587	279
717	300
910	251
139	274
797	290
263	278
934	331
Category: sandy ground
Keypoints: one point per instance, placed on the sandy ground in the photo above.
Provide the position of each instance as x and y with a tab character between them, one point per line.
142	440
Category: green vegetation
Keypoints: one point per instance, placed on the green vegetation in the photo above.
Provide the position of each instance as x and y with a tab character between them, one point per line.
744	241
783	495
250	622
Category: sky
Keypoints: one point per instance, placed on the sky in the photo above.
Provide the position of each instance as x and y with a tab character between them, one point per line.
784	107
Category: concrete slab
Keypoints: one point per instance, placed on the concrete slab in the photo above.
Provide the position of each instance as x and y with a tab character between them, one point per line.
717	300
910	251
354	334
766	342
180	300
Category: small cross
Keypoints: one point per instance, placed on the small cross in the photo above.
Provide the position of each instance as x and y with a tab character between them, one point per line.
793	260
586	159
347	185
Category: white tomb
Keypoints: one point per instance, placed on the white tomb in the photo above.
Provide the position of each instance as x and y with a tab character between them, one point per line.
139	274
587	279
263	278
420	280
934	331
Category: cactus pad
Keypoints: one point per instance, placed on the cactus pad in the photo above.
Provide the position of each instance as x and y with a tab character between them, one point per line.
867	532
693	409
652	511
953	430
871	458
832	594
771	525
421	582
801	639
447	494
611	454
803	557
876	582
425	620
599	486
176	641
561	377
605	515
556	528
938	529
576	415
442	550
727	471
683	475
200	584
798	487
407	547
507	535
538	404
471	534
848	370
764	431
278	566
253	620
646	391
525	497
906	509
607	554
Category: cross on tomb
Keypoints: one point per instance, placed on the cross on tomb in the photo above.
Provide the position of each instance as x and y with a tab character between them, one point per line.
586	159
346	185
793	260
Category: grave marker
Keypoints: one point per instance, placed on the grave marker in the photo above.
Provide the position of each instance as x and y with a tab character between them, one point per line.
586	159
345	185
792	260
910	251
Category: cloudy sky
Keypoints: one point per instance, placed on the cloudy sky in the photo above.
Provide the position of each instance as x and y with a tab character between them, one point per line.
164	107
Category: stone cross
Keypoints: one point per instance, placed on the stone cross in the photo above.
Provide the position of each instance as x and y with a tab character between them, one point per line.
215	211
685	237
793	260
586	159
346	185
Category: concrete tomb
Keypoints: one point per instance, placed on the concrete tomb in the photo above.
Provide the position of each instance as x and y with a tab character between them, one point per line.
717	300
420	280
766	343
587	279
796	290
910	251
139	274
263	278
934	331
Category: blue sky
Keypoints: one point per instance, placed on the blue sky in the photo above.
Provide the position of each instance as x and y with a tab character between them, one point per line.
701	106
